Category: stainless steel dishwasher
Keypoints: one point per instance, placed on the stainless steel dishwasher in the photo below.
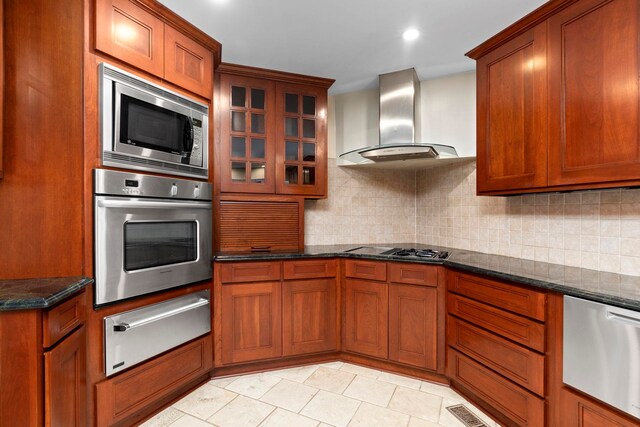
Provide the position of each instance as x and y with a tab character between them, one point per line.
601	354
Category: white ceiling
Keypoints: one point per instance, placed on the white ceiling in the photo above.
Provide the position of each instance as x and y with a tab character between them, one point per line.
351	41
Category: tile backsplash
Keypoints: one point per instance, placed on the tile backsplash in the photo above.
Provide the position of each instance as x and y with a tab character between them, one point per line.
364	206
599	230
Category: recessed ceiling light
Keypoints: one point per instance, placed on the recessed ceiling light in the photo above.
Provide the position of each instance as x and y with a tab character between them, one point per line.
411	34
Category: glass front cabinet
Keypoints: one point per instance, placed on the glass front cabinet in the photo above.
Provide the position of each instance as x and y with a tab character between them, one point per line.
273	133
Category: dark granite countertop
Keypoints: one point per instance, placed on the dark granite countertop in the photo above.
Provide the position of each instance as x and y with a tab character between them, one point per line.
26	294
600	286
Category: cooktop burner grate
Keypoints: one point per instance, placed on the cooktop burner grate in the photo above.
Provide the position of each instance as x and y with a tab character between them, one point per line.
420	253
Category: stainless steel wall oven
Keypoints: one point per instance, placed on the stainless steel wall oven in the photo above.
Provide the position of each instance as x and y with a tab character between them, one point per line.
151	233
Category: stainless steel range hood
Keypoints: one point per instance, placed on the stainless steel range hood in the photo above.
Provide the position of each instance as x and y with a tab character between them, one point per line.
399	126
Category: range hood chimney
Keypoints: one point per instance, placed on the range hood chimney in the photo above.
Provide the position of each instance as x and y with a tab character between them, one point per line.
399	125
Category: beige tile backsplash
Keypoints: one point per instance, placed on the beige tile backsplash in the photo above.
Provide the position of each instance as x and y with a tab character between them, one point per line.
598	230
364	206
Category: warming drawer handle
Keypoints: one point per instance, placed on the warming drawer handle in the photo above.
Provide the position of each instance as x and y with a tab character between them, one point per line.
623	318
144	204
123	327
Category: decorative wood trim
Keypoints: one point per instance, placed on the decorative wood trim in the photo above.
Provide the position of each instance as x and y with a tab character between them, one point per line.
282	76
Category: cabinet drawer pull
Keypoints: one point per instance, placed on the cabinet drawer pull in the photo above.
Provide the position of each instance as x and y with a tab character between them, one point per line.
260	248
123	327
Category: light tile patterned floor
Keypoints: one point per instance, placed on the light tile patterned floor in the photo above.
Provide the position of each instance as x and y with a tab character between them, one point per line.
330	394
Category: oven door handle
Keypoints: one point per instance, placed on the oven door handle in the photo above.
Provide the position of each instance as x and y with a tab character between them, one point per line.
123	327
145	204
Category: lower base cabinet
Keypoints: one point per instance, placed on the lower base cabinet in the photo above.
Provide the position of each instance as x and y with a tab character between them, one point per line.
65	381
309	309
251	322
413	325
519	406
129	397
577	410
366	314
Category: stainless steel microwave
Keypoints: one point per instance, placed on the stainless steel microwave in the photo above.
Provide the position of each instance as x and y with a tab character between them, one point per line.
147	127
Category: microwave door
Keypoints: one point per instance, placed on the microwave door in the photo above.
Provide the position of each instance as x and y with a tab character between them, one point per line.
147	245
144	122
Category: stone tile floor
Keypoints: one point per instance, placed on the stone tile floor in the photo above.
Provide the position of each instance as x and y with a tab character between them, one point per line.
330	394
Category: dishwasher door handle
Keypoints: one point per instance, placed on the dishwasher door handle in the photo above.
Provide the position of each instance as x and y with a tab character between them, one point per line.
123	327
634	321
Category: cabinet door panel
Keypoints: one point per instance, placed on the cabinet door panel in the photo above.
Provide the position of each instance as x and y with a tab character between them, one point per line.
301	135
512	107
65	382
366	317
238	137
251	322
580	411
187	63
413	325
308	316
594	126
131	34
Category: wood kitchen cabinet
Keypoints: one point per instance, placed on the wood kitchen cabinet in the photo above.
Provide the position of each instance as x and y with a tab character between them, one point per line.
273	132
273	309
512	114
138	32
413	325
594	121
247	126
394	311
578	410
43	365
366	317
309	307
251	322
557	100
485	317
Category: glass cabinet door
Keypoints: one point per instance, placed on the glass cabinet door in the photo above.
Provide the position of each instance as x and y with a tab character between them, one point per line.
301	137
247	150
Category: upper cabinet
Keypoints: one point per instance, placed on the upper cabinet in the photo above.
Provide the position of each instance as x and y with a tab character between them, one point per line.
558	97
157	41
273	132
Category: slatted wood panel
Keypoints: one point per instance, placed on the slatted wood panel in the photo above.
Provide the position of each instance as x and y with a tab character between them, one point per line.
248	226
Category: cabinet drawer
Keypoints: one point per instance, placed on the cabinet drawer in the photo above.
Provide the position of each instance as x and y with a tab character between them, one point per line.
413	274
238	272
62	319
513	298
513	402
126	396
310	269
515	362
370	270
516	328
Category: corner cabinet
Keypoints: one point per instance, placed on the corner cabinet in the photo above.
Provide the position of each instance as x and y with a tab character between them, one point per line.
139	33
557	100
273	132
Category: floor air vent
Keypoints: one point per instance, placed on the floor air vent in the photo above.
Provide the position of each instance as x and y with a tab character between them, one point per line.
466	416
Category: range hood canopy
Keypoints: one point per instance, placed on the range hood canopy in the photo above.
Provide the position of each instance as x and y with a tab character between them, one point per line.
399	125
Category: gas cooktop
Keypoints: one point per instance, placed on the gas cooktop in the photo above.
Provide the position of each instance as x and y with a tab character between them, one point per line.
399	252
419	253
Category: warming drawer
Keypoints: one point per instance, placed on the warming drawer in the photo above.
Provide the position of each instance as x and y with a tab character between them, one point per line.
137	335
602	352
